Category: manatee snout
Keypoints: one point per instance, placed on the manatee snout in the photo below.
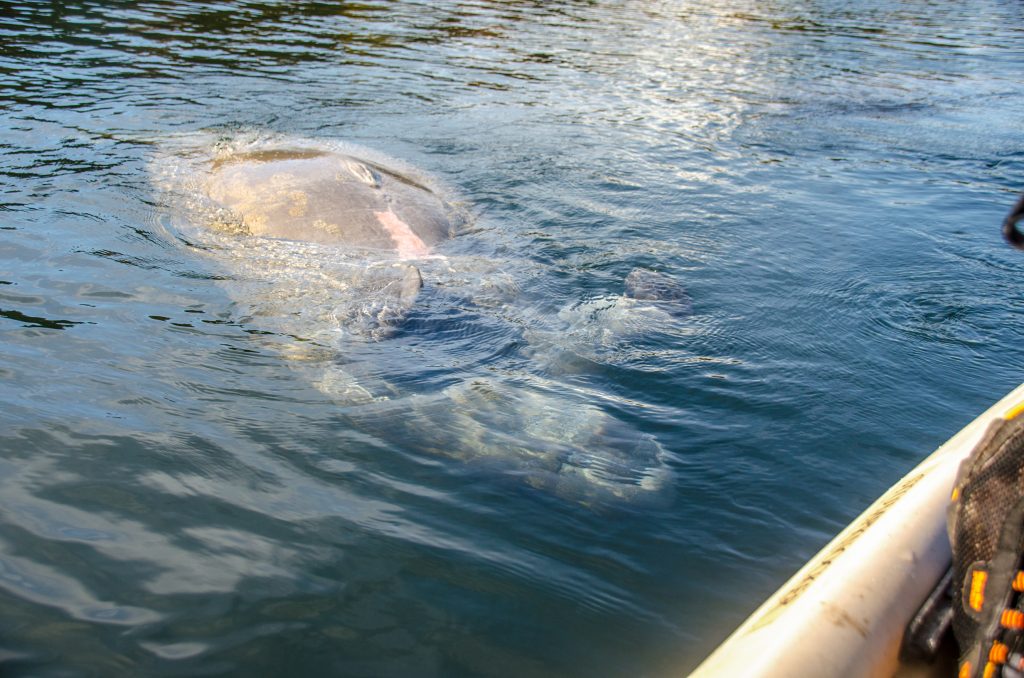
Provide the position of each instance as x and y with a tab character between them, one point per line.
645	285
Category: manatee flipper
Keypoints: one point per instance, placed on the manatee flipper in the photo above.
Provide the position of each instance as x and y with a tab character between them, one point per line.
393	291
411	284
388	292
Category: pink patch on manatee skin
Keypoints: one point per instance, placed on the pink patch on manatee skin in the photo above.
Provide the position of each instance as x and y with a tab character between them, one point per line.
408	244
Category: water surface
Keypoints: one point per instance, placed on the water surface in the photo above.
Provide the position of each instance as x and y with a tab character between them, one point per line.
179	495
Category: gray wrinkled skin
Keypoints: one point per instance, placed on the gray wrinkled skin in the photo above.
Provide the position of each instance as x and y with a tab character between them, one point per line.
314	195
327	249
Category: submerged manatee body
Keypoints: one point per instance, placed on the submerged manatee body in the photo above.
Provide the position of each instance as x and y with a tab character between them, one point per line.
327	252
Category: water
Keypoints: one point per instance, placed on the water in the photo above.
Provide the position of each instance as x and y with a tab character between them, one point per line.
181	495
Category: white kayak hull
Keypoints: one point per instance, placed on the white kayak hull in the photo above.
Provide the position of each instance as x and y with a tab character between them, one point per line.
844	612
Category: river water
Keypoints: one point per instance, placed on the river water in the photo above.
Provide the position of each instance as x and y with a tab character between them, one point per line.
181	495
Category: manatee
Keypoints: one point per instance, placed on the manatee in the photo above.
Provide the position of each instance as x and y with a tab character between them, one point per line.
325	249
313	195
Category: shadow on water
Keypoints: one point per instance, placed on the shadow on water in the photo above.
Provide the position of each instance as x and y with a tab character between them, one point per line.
33	321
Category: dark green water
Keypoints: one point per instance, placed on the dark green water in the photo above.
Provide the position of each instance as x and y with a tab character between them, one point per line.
179	497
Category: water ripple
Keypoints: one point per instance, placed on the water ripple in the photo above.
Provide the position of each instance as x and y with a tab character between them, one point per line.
187	485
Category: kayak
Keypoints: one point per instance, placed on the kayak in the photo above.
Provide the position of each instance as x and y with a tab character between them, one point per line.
845	612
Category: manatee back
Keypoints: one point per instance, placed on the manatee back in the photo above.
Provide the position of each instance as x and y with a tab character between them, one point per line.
324	197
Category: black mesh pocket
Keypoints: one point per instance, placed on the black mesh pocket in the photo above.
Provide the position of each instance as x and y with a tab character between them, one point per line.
986	530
